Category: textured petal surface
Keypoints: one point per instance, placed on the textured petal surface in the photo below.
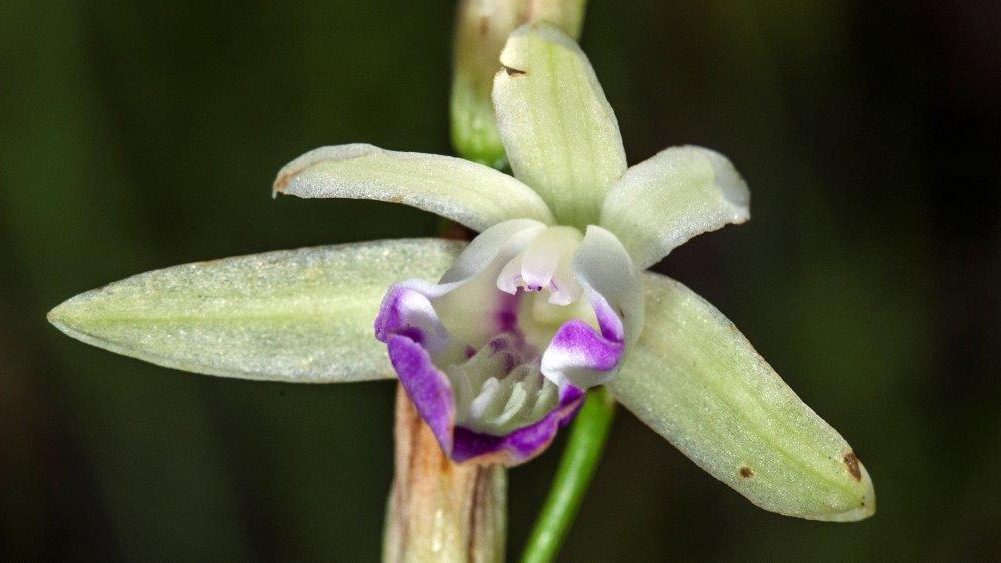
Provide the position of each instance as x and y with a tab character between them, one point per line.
671	197
298	315
560	134
465	192
698	382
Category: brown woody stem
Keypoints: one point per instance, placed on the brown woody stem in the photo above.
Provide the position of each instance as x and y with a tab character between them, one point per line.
437	510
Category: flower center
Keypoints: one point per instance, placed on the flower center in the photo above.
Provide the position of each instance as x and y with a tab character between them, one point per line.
543	270
500	388
500	352
545	265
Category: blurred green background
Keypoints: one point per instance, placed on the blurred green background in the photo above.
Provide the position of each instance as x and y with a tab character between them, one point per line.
137	135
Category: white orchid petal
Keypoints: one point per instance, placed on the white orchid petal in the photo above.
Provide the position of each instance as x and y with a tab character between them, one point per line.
679	193
510	280
603	266
472	313
504	238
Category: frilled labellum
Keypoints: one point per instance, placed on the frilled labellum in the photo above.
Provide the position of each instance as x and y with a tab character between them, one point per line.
497	355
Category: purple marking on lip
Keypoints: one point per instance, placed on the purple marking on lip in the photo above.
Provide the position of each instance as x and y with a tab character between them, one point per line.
405	322
390	317
407	311
413	333
580	354
431	392
506	315
578	340
427	387
608	321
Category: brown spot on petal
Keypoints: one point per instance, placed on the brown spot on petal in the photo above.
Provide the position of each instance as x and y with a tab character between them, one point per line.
746	472
514	72
396	199
280	185
851	461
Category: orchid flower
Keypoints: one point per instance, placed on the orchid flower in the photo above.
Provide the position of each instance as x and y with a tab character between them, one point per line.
549	300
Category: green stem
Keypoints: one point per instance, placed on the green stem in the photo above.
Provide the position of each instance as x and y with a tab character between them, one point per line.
580	459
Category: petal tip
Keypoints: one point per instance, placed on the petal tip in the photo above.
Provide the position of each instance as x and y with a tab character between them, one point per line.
285	180
731	184
71	318
859	502
65	316
55	315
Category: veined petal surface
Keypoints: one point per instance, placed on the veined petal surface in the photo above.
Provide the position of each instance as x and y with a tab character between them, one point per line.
664	201
296	315
697	381
559	131
465	192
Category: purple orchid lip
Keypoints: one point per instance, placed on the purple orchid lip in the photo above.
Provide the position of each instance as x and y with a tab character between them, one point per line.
427	387
407	325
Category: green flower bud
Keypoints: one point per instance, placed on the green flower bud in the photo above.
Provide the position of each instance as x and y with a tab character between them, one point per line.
482	28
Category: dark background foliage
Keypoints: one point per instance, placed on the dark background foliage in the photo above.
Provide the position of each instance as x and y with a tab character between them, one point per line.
137	135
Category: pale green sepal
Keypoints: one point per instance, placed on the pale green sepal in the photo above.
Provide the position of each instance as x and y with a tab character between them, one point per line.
664	201
465	192
560	134
697	381
296	315
481	29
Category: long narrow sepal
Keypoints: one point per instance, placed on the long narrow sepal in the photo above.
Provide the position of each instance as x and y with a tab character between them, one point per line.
671	197
698	382
560	133
296	315
465	192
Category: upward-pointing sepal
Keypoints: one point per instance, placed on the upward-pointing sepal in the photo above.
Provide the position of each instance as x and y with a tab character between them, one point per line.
560	133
